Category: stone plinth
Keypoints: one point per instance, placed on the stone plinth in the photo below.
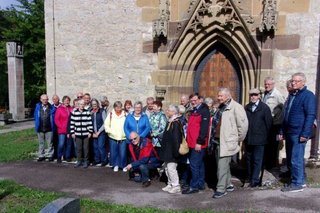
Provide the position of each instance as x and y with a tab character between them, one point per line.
16	80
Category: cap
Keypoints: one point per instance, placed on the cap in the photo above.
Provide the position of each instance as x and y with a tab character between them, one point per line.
254	91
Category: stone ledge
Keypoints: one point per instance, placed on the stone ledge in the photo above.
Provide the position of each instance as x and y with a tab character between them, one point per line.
63	205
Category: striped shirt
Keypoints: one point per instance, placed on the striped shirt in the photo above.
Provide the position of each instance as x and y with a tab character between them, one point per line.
81	123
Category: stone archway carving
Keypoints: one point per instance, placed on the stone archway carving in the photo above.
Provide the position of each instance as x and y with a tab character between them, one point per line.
209	22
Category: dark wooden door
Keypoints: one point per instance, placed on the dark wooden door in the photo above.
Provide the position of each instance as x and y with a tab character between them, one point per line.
218	72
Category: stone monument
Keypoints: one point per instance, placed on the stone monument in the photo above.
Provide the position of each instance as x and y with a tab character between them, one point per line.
16	80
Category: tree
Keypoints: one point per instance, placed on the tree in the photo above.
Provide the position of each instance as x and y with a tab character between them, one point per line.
25	23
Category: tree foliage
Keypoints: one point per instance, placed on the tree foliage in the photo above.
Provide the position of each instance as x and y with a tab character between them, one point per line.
24	22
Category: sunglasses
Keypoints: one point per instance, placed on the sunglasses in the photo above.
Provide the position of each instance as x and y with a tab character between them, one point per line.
133	139
254	94
80	97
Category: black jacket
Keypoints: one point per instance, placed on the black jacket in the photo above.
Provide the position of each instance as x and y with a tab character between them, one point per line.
260	122
172	138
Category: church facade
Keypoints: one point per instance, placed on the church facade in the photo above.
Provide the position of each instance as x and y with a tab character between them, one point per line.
132	49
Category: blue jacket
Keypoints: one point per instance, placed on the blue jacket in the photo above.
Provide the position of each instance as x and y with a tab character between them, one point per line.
142	127
301	115
37	116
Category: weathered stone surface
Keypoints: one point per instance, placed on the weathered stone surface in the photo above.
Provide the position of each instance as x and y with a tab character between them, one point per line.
63	205
294	6
98	49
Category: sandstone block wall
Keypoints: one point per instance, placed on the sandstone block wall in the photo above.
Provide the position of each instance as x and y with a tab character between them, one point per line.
96	47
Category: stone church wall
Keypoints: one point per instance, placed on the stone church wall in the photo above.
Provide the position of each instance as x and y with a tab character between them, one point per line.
97	47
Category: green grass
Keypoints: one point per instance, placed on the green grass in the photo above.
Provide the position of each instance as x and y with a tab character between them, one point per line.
17	198
18	145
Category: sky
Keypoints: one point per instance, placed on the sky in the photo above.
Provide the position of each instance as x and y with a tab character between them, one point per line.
6	3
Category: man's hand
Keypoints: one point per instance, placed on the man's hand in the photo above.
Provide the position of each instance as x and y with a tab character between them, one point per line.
303	140
89	135
73	136
128	167
197	147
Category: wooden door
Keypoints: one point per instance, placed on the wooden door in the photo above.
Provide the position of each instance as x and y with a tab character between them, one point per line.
218	72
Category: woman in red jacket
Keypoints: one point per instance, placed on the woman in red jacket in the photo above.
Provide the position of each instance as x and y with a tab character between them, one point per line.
61	120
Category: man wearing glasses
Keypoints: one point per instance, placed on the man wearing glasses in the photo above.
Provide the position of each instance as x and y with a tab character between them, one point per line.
143	159
300	113
275	100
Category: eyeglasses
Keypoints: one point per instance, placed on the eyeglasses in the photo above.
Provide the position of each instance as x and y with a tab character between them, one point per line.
254	94
80	97
296	81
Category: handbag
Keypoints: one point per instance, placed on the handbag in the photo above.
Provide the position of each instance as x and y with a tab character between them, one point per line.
184	148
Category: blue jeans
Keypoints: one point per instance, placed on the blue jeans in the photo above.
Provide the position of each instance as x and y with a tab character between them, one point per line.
99	149
118	153
64	146
144	171
295	157
197	169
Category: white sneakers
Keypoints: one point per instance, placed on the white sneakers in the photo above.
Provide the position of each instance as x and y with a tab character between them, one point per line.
116	168
175	190
124	169
167	188
172	189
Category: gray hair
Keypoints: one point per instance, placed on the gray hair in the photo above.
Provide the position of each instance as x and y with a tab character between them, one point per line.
81	101
117	104
181	109
103	98
269	79
208	100
300	74
225	91
138	103
173	108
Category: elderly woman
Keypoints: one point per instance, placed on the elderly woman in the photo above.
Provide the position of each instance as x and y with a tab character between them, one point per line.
61	120
172	138
99	135
137	122
158	121
81	130
117	138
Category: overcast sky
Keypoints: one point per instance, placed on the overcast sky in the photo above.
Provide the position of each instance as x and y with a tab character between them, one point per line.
6	3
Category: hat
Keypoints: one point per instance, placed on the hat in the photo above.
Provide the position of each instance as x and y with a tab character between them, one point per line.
254	91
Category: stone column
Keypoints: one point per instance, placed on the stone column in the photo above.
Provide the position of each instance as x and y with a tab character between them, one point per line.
16	80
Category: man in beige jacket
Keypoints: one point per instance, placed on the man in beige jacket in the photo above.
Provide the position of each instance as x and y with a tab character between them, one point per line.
229	128
275	100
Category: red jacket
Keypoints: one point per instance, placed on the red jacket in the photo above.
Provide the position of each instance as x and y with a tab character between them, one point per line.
198	127
61	118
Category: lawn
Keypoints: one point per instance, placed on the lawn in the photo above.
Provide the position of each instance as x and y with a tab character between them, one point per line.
16	198
18	145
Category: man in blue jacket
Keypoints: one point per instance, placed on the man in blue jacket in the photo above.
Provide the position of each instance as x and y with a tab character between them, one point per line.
44	126
300	113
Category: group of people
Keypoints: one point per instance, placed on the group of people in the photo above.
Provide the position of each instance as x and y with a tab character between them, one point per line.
145	140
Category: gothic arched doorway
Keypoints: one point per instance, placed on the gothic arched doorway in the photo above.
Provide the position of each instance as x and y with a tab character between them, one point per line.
217	69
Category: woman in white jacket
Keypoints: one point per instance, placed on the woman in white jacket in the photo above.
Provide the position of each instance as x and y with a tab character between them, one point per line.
117	139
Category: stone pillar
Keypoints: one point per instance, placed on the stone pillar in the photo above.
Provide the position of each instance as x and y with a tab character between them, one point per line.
16	80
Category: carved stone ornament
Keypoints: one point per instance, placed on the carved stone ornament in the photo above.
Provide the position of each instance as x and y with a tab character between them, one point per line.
14	49
269	16
160	26
208	11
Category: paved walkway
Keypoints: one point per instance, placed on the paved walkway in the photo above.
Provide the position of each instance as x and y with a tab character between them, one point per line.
17	126
106	185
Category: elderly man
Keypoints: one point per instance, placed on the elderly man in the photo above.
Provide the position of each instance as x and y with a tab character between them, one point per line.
184	101
229	128
44	126
260	121
148	109
275	100
197	139
143	159
56	101
300	113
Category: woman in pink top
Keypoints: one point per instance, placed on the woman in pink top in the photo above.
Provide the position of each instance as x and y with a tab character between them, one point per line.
62	120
